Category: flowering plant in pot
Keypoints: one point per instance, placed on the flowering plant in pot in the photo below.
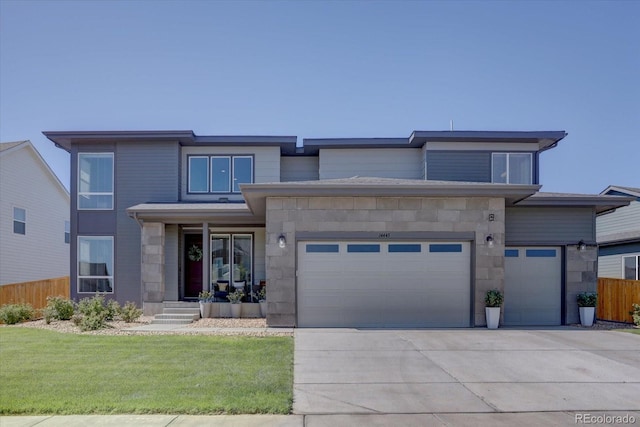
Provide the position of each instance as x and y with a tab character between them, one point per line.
493	300
205	298
262	299
587	302
235	298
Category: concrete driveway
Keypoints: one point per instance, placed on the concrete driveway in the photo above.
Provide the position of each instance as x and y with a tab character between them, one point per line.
468	371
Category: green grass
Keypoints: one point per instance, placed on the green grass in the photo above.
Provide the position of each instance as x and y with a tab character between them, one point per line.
631	331
44	372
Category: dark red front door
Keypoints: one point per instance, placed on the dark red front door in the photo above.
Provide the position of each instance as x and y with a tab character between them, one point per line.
193	265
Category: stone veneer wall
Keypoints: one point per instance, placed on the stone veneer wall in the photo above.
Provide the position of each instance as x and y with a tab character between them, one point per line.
581	276
288	215
152	268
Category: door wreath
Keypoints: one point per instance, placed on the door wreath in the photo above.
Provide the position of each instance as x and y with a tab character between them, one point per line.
195	253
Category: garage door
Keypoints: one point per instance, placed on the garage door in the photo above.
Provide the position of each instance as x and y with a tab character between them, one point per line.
383	284
533	286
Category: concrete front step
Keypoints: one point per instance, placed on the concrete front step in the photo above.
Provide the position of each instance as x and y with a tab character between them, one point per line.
179	310
157	321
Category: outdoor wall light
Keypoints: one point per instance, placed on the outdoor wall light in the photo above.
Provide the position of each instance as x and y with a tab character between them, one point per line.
490	240
282	241
582	246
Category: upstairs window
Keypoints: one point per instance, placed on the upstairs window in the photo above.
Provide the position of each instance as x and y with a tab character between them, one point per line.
19	221
95	181
219	174
511	168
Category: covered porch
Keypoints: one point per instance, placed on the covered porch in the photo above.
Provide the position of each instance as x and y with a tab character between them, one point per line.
187	248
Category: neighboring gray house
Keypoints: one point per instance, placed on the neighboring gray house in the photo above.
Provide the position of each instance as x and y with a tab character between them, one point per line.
34	217
618	234
371	232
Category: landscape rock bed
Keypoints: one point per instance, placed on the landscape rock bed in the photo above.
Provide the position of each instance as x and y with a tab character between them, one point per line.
245	327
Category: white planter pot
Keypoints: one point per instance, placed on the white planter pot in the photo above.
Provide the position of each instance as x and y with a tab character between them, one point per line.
236	310
205	309
493	317
586	315
263	308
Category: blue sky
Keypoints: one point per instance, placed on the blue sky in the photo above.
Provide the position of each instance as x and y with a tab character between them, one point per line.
332	69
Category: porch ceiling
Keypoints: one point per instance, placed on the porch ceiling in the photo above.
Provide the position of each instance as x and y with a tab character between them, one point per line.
195	213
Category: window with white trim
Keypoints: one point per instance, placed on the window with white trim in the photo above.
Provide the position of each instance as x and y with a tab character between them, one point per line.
95	264
19	221
95	181
512	168
631	267
219	174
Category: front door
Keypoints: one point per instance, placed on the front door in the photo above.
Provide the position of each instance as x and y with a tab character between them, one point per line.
194	258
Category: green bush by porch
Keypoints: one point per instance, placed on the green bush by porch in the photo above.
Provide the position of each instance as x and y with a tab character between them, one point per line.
46	372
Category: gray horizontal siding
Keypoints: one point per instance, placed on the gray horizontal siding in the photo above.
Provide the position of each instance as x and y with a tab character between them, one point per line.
299	169
145	172
549	225
405	163
610	266
625	220
472	166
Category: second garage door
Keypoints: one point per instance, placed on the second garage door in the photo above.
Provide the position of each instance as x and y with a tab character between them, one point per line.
533	286
383	284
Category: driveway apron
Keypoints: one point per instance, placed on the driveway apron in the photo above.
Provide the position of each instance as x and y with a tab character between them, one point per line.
349	371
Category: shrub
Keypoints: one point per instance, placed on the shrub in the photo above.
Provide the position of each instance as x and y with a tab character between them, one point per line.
493	298
16	313
130	312
636	314
77	319
94	313
587	299
112	310
92	322
49	314
59	308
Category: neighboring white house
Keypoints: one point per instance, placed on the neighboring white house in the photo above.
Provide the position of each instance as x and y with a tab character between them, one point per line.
618	236
34	217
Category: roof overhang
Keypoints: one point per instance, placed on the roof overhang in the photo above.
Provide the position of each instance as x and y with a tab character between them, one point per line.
544	139
256	194
64	139
602	204
195	213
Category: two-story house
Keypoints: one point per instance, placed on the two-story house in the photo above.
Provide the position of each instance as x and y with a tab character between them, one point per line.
35	230
371	232
618	236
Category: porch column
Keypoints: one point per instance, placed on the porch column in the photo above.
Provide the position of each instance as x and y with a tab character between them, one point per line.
206	258
152	267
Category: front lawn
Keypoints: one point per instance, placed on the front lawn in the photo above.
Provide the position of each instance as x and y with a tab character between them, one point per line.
631	331
44	372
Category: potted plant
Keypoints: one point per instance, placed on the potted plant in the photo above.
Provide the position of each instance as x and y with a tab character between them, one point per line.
493	300
205	298
587	306
236	302
262	299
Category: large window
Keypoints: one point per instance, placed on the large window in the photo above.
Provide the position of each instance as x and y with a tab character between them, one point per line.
219	174
631	267
511	168
231	258
19	221
95	264
95	181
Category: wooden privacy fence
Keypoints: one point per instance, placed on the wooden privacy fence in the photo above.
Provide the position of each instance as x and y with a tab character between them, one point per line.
34	293
615	297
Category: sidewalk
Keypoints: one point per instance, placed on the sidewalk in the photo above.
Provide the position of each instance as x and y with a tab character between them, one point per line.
523	419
